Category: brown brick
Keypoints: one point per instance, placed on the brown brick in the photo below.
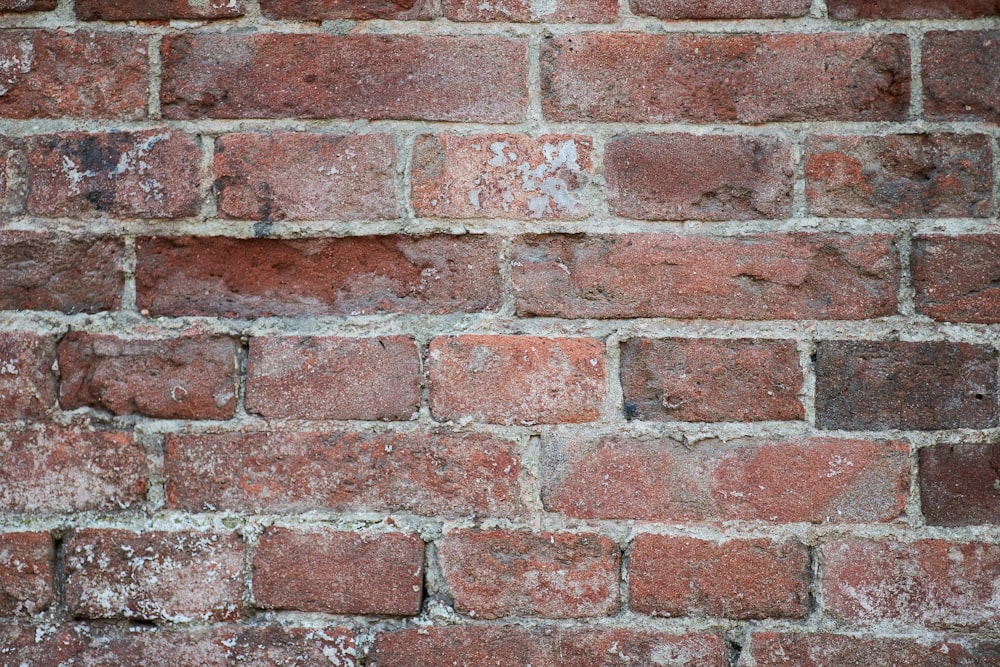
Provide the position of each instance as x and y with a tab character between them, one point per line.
957	278
305	377
699	177
26	565
193	377
332	276
304	176
154	575
44	271
516	646
900	176
922	386
483	78
326	10
930	583
754	277
960	484
501	175
496	573
850	10
960	74
157	10
27	384
711	380
744	579
526	11
516	379
339	572
427	473
27	5
725	78
772	649
818	480
152	173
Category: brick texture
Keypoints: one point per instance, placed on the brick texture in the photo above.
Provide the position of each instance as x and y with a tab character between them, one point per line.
27	5
26	573
960	75
912	9
324	10
27	384
720	9
960	484
559	11
770	649
957	278
146	10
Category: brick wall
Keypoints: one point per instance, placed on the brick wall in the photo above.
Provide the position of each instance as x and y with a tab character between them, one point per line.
450	332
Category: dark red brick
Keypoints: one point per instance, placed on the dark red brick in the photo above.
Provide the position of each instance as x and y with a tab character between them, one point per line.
302	176
157	10
960	484
357	76
725	78
327	10
957	278
496	573
922	386
772	649
26	566
332	276
744	579
961	77
754	277
27	5
82	74
818	480
720	9
339	572
527	11
912	9
900	176
27	383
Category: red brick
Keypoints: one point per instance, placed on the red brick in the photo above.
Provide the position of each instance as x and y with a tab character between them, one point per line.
683	176
960	484
720	9
930	583
152	173
301	176
957	278
922	386
527	11
960	74
743	579
725	78
154	575
711	380
772	649
427	473
27	5
900	176
193	377
26	565
516	379
70	469
43	271
325	10
496	573
27	384
305	377
82	74
339	572
753	277
483	78
157	10
817	480
912	9
501	175
516	646
332	276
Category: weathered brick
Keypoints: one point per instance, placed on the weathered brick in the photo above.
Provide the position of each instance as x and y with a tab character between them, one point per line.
157	10
428	473
339	572
26	566
43	271
930	583
70	469
501	175
27	5
773	649
326	10
304	176
922	386
527	11
725	78
357	76
700	177
82	74
27	384
332	276
753	277
900	176
152	173
960	484
912	9
960	74
496	573
711	380
516	379
516	646
720	9
957	278
306	377
154	575
786	481
744	579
